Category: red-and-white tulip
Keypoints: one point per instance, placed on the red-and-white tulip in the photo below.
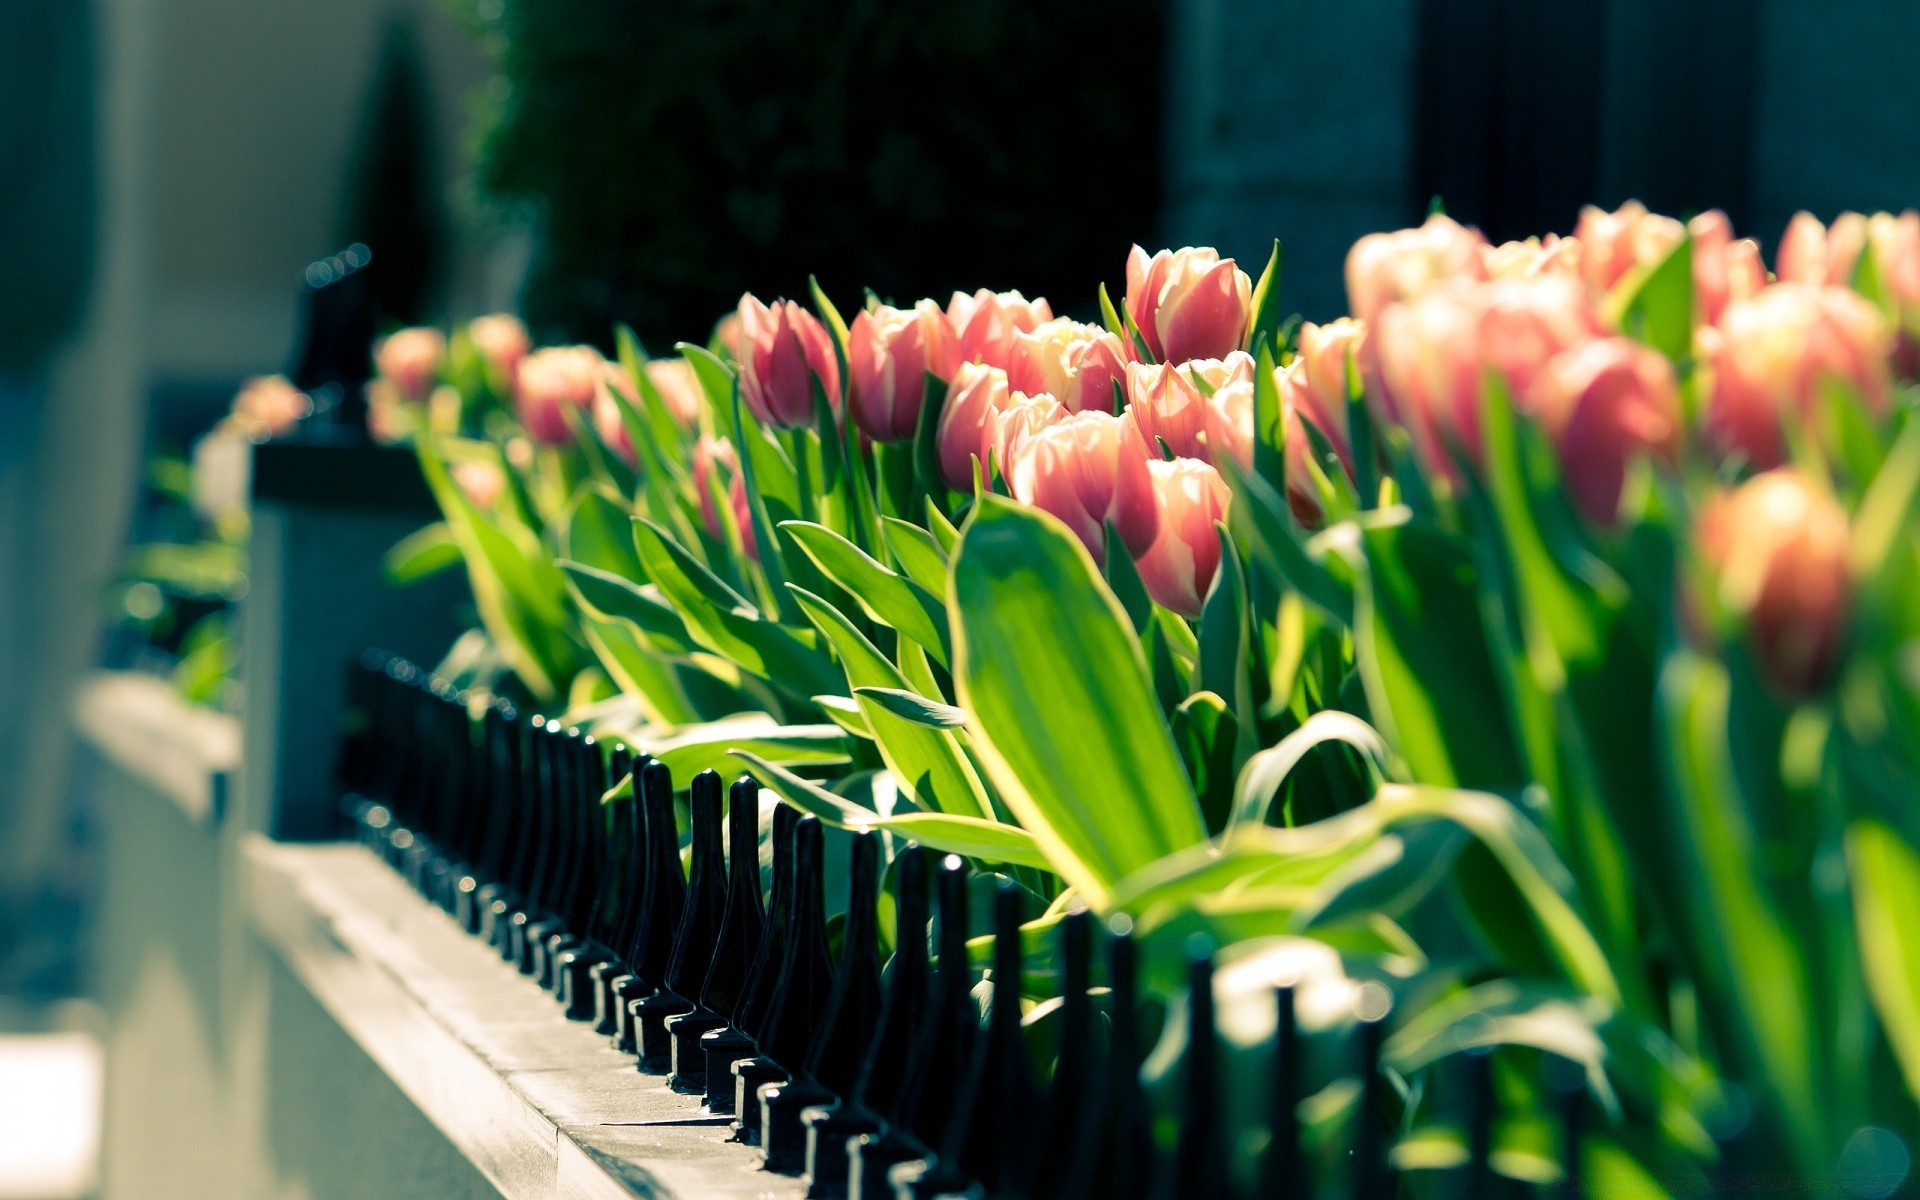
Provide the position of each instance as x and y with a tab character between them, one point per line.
1075	363
1534	256
1189	303
1605	403
1313	391
1180	565
1020	418
552	380
410	360
679	388
1434	352
1615	244
969	424
607	422
1170	401
1090	470
1386	268
1812	253
501	341
1725	268
782	350
712	455
986	322
1772	355
1777	547
891	351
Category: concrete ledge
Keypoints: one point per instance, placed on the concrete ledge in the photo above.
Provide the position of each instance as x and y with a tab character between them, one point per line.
542	1106
142	726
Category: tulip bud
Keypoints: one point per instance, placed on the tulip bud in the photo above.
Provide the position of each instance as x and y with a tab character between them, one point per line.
1169	401
481	481
1433	354
782	351
1606	402
891	351
1614	244
985	323
1724	268
743	517
1386	268
1313	391
1812	253
1074	363
269	406
1089	470
711	454
1188	304
1777	547
1179	567
1535	256
679	388
553	380
607	422
1774	353
410	359
969	425
501	341
726	331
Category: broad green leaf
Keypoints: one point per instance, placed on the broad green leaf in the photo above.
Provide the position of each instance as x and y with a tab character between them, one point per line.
427	551
1266	302
920	557
1123	577
1204	729
1269	418
1261	520
845	712
928	764
601	594
1655	303
1227	648
1064	715
949	833
689	750
1261	778
637	669
912	706
727	623
597	530
889	598
1886	897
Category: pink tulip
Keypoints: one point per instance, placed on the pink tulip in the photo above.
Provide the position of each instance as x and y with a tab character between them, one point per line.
1725	268
607	422
1615	244
1076	364
1228	431
711	454
1089	470
1313	391
1169	401
552	380
1535	256
782	351
1180	565
985	323
1386	268
1433	354
969	425
1774	353
1777	546
679	388
1605	403
410	359
481	481
269	406
743	517
726	331
501	341
1812	253
1188	303
1019	419
890	354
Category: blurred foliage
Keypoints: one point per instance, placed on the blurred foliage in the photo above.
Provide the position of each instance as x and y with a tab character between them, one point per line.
678	153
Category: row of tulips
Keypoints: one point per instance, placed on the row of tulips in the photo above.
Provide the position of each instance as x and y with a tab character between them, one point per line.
1535	643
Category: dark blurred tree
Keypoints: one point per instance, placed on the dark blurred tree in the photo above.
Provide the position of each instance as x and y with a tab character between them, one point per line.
394	205
678	152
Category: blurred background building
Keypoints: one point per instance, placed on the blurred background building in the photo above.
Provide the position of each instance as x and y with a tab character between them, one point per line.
168	167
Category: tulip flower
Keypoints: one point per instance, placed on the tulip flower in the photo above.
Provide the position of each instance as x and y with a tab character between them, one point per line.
782	351
1725	268
481	481
985	323
1777	547
890	353
1386	268
1772	356
712	454
269	406
1535	256
1433	354
969	424
726	331
1090	470
1188	304
552	380
1605	403
1313	391
1615	244
1020	418
743	517
607	422
1169	401
1075	363
501	341
1180	565
679	388
410	360
1812	253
